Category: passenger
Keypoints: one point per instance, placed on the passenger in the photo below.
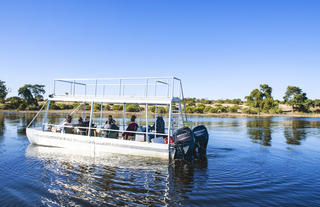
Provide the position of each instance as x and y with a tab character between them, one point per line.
159	126
67	125
133	126
80	121
111	124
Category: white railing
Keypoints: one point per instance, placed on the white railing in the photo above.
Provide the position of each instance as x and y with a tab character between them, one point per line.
60	128
136	87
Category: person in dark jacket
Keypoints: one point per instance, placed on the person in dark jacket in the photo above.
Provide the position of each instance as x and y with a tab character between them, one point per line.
158	126
133	126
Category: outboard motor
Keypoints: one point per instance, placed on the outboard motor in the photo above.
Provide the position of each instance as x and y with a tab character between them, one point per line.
183	144
201	137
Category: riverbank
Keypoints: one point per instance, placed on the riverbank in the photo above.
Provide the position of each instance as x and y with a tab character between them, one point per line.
290	114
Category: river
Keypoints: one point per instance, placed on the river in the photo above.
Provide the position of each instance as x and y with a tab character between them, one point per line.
251	162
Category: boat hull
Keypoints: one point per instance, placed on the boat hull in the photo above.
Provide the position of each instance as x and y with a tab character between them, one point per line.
96	145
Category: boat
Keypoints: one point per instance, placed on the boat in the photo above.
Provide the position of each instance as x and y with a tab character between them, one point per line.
176	141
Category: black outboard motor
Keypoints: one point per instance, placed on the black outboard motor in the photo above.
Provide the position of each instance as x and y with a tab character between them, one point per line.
183	144
201	137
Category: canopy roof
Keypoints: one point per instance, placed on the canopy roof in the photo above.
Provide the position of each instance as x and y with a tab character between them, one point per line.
115	99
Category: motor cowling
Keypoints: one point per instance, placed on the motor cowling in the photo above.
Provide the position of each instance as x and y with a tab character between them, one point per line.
183	144
201	137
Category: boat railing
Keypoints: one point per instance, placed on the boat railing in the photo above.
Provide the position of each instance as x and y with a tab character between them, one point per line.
98	129
160	87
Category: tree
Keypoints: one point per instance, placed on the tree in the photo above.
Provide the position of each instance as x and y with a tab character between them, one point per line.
38	91
297	99
3	91
266	90
32	93
261	99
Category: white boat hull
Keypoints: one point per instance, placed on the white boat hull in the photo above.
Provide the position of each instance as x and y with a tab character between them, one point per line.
96	145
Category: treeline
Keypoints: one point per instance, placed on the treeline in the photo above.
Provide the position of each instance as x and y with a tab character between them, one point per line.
260	100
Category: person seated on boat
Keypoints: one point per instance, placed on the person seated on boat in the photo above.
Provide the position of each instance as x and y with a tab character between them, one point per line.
81	124
159	126
80	121
111	124
67	125
133	126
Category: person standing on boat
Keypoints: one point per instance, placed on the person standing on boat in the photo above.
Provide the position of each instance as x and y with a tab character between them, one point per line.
158	126
133	126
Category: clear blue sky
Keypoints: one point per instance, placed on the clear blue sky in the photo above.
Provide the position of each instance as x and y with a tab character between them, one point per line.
220	49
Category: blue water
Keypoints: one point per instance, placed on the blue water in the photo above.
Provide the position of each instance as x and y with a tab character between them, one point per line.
251	162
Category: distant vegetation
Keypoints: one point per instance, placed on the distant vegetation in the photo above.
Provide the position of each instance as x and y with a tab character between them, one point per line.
259	101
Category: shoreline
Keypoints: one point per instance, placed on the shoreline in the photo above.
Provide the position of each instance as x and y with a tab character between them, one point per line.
236	115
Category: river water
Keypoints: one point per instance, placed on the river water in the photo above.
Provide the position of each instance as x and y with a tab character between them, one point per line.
251	162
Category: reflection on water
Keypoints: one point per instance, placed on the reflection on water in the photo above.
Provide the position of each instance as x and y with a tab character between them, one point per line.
294	131
113	180
259	131
2	127
280	176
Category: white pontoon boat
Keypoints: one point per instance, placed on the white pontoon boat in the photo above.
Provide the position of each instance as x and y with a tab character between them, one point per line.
145	92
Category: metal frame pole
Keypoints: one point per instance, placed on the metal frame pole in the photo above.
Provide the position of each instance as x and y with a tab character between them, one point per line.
101	111
95	90
84	111
123	117
169	125
54	87
91	116
74	87
147	126
45	115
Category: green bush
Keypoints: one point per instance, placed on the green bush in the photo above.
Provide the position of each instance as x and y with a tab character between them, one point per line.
160	109
250	110
132	108
236	101
275	110
190	109
233	109
55	106
117	107
107	107
14	103
97	107
207	109
30	107
75	105
214	110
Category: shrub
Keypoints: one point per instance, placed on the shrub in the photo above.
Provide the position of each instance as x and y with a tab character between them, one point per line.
160	109
275	110
107	107
14	103
30	107
117	107
207	109
214	110
75	105
233	109
97	107
190	109
54	106
236	101
132	108
250	110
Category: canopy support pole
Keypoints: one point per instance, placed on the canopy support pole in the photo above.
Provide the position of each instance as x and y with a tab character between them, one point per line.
91	116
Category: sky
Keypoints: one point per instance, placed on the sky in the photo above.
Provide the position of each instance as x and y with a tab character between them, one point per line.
220	49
